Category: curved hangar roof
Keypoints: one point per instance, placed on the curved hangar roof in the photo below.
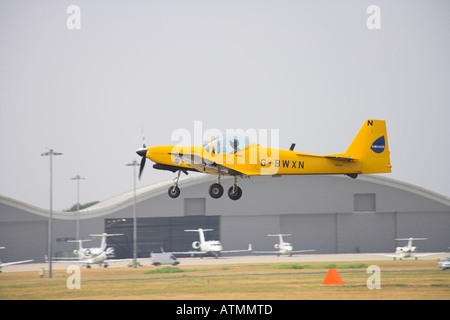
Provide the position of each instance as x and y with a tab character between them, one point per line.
266	195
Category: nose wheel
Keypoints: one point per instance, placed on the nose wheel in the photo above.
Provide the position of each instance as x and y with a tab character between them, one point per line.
174	191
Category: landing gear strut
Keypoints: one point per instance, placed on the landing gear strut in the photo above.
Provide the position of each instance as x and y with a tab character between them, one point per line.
215	190
174	191
235	193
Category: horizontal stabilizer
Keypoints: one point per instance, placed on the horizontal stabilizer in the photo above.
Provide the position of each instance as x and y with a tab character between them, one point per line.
339	158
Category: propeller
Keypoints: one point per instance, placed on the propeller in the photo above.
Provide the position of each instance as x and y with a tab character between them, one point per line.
143	153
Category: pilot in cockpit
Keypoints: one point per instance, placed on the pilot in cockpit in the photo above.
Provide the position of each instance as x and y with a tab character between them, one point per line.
234	145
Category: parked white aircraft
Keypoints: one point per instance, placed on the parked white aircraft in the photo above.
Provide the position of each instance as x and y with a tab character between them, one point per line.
208	246
88	256
407	251
11	263
283	247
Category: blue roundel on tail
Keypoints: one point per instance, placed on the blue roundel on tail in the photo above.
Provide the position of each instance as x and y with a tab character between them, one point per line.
378	145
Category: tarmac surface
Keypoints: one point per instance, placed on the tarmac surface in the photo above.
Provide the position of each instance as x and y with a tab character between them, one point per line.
38	267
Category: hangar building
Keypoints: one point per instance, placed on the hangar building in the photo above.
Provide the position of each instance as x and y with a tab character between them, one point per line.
331	214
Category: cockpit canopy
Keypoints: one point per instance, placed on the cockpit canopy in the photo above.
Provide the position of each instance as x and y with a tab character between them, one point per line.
228	144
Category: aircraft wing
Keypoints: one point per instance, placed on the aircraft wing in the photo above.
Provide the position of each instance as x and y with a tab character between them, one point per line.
389	255
204	252
188	252
235	251
196	162
300	251
267	252
385	255
76	260
118	260
399	255
427	254
15	262
68	260
205	165
65	259
278	252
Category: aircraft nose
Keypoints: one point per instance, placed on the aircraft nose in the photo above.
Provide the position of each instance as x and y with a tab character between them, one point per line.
142	151
158	154
148	152
152	152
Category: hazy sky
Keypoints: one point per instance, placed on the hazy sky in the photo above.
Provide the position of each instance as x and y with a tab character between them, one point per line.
312	69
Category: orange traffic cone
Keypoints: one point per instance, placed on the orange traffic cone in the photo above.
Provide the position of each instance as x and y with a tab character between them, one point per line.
332	277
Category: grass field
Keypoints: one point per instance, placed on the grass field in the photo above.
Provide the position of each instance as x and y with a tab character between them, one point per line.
261	281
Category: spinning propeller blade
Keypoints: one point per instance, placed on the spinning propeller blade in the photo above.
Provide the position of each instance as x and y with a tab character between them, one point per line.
143	153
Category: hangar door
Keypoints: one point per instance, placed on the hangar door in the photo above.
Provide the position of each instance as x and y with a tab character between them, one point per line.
154	234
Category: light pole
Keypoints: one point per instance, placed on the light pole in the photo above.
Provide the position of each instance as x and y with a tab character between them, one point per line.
134	164
50	153
78	178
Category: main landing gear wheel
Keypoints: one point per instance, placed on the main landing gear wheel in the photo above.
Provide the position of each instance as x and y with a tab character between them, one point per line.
216	190
174	192
235	193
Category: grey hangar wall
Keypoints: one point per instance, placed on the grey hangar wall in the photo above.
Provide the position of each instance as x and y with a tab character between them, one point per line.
331	214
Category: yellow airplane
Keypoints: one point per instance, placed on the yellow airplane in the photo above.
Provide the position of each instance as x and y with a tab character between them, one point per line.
236	156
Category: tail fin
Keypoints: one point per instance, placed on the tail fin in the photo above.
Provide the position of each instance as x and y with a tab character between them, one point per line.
370	148
104	235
